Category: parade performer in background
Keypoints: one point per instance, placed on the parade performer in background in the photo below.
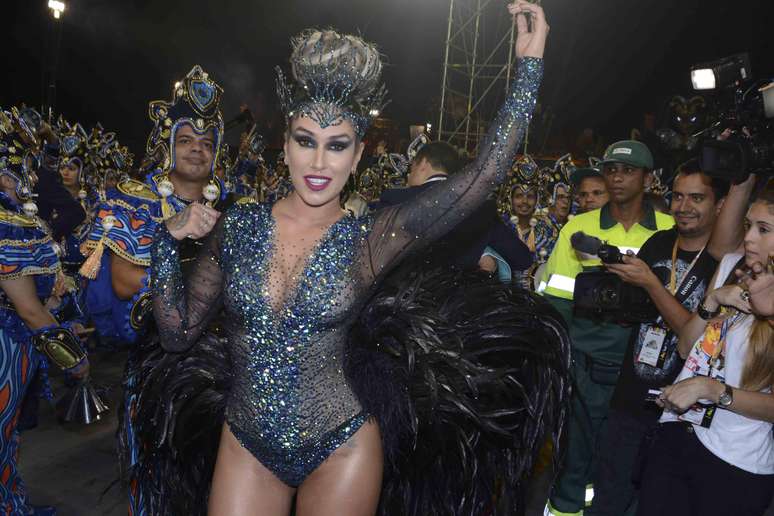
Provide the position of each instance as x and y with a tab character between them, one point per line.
29	333
520	202
185	139
554	206
337	391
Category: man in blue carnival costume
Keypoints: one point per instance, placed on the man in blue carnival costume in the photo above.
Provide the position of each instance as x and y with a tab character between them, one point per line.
185	139
29	334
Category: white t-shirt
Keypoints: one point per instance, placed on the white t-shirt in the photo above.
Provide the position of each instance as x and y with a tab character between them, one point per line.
743	442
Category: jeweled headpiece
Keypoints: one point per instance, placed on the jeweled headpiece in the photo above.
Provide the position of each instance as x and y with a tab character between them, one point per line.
555	177
73	144
336	76
18	158
524	175
195	101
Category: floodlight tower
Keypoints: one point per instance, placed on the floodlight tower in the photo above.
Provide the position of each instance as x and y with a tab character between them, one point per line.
478	66
57	7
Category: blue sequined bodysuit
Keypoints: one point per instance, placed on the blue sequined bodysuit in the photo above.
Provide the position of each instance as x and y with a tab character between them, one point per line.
290	404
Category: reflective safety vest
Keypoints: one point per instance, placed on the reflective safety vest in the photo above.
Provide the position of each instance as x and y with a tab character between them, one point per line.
565	263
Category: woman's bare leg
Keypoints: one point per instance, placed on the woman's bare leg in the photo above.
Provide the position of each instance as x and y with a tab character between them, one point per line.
243	486
348	483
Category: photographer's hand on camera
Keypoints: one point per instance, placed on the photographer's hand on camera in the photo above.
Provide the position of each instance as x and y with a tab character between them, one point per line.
636	272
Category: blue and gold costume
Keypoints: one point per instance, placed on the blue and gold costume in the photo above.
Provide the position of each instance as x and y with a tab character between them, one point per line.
125	224
26	251
544	228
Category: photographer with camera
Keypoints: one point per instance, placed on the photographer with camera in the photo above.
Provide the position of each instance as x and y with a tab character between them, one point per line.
713	453
625	221
674	267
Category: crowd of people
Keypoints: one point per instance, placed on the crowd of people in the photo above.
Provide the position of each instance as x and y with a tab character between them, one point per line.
328	333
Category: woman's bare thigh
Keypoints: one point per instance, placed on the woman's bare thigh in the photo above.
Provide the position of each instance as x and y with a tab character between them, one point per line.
348	483
243	486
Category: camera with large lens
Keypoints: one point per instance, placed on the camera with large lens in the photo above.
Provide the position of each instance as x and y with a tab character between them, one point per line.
603	295
599	294
746	108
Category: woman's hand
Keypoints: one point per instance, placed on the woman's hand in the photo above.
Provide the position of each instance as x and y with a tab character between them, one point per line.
684	394
195	221
529	43
729	295
759	282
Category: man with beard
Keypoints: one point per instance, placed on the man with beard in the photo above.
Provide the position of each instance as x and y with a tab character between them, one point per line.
674	267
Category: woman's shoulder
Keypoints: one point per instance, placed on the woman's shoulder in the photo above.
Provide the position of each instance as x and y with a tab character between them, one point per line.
246	211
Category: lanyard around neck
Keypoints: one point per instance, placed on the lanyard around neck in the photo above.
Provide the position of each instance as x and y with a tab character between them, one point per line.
673	286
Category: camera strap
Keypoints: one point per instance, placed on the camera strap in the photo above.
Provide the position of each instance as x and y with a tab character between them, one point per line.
674	287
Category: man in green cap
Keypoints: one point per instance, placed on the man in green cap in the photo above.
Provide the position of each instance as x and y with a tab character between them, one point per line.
625	221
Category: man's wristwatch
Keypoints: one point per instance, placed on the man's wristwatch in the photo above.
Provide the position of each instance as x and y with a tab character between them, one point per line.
706	314
727	397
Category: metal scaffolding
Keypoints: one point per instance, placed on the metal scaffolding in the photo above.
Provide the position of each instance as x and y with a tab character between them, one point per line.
478	65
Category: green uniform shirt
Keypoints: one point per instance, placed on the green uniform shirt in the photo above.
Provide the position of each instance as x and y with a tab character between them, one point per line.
605	341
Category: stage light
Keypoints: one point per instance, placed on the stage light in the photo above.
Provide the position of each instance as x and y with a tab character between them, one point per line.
57	7
374	112
721	73
703	79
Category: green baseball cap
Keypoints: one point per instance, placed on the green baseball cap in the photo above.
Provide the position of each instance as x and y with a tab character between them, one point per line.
630	152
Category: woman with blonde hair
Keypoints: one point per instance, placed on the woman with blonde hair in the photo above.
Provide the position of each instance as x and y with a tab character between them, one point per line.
714	451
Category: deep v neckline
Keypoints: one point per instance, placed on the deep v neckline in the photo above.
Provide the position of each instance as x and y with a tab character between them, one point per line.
281	307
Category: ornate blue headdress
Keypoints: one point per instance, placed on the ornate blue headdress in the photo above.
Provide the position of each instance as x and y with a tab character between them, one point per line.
337	77
74	145
18	157
554	178
195	101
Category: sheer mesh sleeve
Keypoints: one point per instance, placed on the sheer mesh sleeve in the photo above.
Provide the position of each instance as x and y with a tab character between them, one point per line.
182	310
408	226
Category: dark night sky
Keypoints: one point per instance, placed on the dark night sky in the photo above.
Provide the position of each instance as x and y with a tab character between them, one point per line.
607	62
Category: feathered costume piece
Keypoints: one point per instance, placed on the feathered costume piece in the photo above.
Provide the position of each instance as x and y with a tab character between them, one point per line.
467	376
179	418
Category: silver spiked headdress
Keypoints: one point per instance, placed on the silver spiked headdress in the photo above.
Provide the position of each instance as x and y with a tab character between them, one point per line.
336	77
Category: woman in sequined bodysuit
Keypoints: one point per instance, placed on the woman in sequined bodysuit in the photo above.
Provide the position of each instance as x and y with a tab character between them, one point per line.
292	277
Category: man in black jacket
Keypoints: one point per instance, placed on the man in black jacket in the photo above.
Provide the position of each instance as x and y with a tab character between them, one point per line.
464	245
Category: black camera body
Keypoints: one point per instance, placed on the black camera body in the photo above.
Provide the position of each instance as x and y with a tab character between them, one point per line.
603	295
610	254
750	147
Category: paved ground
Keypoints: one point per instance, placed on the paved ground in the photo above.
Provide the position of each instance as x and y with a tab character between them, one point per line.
71	466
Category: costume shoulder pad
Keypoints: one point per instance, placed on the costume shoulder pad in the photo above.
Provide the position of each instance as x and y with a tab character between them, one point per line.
137	189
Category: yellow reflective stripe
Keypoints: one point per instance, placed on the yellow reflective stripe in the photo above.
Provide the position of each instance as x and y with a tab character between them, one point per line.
589	494
541	287
551	511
